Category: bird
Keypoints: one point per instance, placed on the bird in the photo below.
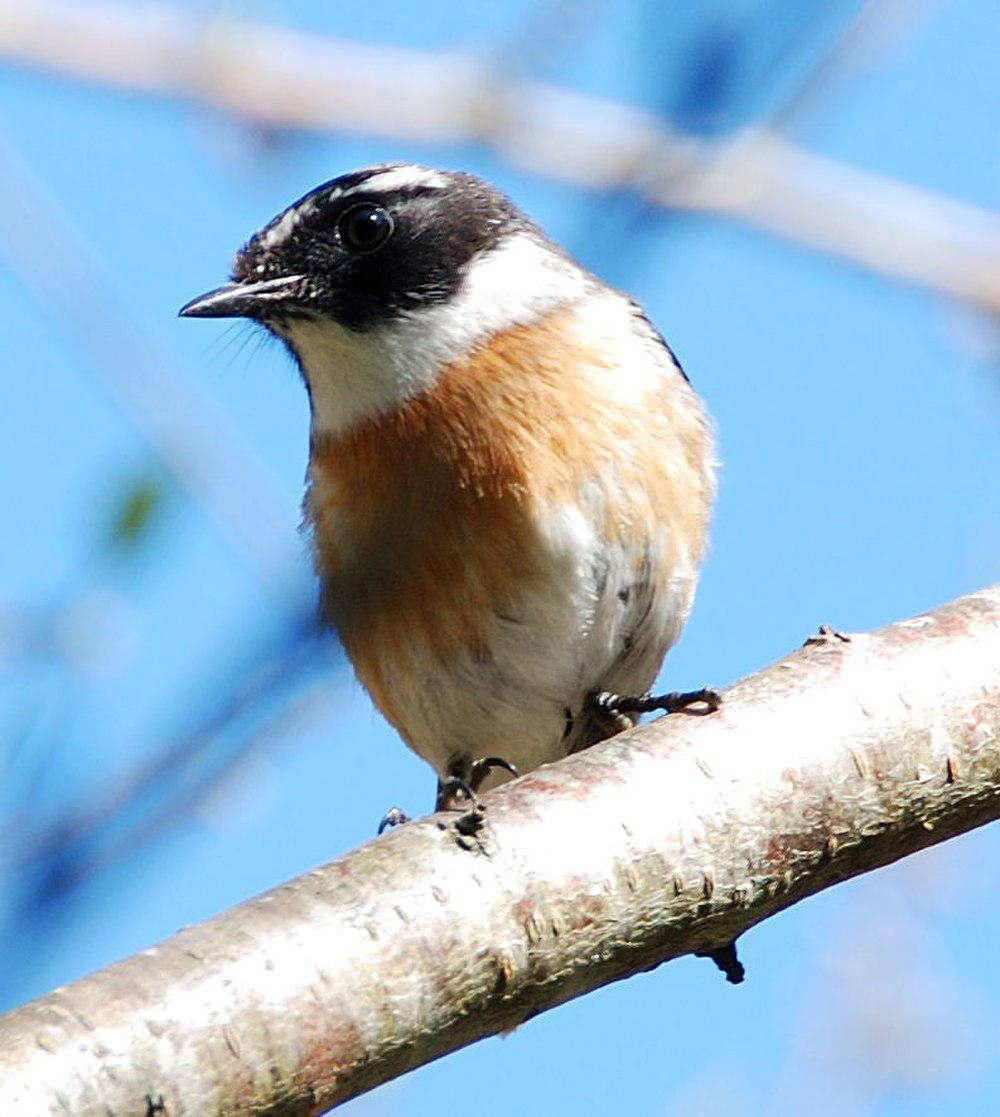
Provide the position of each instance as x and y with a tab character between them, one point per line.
510	475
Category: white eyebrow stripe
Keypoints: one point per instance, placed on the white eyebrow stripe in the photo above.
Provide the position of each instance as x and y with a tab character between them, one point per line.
283	227
399	178
393	178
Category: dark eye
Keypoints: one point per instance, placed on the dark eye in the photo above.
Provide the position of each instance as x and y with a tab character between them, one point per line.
364	227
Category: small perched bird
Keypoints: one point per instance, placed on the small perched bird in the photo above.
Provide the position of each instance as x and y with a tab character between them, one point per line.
510	476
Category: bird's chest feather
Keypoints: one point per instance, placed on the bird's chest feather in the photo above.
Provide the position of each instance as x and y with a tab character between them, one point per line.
491	508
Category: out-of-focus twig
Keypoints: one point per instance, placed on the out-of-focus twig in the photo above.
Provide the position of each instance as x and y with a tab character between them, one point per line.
878	222
285	79
878	29
193	438
290	673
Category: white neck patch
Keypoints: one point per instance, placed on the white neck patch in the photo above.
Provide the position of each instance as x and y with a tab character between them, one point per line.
354	375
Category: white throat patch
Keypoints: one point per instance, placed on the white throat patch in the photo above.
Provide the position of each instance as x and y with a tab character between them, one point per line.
354	375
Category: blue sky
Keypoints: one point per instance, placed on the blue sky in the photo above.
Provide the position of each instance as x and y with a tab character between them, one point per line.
858	423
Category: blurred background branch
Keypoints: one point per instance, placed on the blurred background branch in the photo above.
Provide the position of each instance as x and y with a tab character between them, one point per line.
194	440
279	79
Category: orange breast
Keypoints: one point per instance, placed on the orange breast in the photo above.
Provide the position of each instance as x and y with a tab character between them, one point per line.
426	519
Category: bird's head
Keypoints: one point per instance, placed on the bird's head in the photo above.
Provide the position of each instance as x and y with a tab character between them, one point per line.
379	279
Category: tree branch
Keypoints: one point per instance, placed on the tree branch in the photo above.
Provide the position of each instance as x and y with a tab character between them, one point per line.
674	838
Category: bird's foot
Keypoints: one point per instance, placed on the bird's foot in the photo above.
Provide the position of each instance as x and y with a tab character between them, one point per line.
464	779
459	790
457	794
611	711
394	816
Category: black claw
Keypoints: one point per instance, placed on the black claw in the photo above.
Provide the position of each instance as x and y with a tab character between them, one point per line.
672	703
612	710
394	816
481	769
464	779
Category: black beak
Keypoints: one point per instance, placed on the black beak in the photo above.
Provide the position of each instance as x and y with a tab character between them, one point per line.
245	300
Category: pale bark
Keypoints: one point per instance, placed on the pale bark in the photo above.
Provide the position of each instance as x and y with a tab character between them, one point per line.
674	838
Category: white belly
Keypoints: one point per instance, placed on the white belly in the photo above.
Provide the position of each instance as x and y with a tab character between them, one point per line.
603	619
